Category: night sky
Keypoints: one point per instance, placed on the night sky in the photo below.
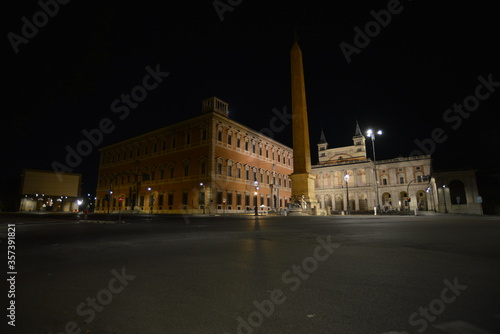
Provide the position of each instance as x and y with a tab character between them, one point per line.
426	59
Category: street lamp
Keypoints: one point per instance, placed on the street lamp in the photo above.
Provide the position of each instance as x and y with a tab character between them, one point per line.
151	202
371	135
202	196
256	185
444	198
346	179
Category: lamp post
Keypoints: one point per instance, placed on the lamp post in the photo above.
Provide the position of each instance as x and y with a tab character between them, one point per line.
256	185
444	198
151	203
202	196
371	135
346	179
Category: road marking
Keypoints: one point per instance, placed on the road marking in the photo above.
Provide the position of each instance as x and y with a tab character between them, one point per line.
460	327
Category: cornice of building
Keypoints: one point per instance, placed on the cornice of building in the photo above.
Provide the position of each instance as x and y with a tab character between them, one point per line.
250	131
156	132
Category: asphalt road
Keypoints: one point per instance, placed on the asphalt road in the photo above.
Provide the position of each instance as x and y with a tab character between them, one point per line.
373	274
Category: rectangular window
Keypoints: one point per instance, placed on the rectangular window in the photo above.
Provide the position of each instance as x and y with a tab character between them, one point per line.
153	175
219	197
229	198
253	148
188	139
384	182
202	198
219	168
203	168
160	199
238	143
401	180
229	139
204	134
219	135
247	200
246	146
170	199
186	170
162	174
185	197
229	171
260	150
238	173
172	172
247	175
238	199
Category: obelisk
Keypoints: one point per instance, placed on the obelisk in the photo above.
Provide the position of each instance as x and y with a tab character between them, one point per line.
302	179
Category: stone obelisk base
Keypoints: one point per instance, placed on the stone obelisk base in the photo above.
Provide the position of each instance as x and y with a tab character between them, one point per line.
303	185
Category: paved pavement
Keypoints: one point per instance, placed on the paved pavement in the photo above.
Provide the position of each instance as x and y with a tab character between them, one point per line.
370	274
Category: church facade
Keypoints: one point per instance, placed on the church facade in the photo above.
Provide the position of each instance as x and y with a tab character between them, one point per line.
346	180
207	164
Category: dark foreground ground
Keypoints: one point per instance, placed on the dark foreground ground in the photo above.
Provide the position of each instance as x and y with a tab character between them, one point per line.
433	274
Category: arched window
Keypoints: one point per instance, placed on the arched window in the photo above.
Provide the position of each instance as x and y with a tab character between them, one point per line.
457	192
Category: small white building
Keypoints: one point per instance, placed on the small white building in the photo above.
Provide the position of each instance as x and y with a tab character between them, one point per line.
43	191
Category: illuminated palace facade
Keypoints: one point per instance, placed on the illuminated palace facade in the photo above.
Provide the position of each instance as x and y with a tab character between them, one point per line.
205	165
389	183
